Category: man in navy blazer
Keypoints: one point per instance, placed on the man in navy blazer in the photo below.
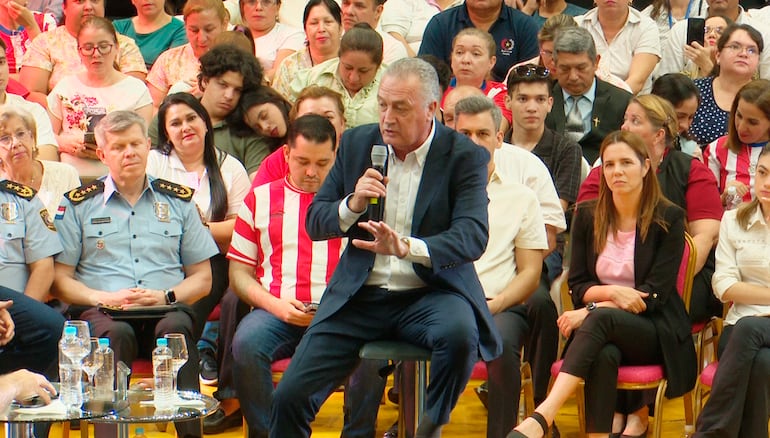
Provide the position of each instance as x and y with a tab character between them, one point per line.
408	277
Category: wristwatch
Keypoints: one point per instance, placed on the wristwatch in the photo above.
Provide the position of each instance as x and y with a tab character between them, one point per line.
591	306
170	296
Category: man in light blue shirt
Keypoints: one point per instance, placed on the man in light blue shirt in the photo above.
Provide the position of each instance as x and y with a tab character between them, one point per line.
131	241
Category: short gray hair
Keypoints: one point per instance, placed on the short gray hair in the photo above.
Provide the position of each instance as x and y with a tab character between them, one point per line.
474	105
574	40
118	121
425	73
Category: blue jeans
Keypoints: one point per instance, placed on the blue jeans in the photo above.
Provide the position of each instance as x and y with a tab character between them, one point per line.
262	339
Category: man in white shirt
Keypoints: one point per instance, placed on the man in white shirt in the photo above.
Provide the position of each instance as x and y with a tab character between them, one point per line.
510	268
369	11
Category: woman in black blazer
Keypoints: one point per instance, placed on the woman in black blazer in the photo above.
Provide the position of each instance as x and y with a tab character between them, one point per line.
626	250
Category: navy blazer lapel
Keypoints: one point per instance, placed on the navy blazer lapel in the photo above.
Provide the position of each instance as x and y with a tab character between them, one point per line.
433	174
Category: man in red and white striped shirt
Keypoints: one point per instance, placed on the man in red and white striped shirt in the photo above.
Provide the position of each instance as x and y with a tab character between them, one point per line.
278	270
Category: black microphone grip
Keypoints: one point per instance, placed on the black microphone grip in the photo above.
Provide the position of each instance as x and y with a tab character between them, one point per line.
377	205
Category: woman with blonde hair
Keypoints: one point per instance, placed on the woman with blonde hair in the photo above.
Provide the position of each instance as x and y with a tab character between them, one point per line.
203	21
626	250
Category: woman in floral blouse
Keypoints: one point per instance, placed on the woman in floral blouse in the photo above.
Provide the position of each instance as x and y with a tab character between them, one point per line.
79	101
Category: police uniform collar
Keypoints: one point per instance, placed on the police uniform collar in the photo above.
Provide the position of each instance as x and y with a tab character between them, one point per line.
20	190
110	188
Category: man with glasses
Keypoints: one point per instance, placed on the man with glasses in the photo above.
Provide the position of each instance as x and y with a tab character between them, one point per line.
585	108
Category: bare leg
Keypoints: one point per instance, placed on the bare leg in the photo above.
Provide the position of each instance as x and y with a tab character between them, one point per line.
636	423
564	386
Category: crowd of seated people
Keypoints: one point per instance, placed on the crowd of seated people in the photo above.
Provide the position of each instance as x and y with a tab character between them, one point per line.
189	119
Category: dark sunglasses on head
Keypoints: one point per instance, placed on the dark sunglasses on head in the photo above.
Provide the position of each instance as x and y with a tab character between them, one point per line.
526	71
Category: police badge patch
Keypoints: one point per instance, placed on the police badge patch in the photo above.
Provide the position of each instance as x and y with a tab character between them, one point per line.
10	212
47	220
162	212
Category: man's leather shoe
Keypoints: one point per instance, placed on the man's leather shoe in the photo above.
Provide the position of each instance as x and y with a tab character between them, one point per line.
218	422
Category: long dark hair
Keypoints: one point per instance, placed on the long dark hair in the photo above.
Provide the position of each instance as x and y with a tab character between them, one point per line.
757	93
212	157
747	209
260	96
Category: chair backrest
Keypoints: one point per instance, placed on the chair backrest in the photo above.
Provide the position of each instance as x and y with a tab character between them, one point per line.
686	274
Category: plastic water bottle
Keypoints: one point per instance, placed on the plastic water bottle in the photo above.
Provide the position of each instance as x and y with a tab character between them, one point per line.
163	375
72	350
104	378
140	433
732	199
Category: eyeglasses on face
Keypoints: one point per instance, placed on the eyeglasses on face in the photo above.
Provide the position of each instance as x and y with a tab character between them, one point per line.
6	141
739	48
90	49
529	70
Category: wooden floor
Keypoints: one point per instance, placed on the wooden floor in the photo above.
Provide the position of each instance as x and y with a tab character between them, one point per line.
468	419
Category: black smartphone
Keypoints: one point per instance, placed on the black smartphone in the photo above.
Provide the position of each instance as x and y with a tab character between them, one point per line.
696	30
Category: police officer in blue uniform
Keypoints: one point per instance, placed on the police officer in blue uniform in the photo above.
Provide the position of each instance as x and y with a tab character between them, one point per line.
28	243
131	241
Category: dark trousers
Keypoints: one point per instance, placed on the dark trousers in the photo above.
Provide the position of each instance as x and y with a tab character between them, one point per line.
128	339
328	352
35	344
739	404
262	339
219	282
231	312
543	341
607	339
504	373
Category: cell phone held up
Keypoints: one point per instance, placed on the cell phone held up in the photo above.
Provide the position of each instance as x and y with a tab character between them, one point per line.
696	30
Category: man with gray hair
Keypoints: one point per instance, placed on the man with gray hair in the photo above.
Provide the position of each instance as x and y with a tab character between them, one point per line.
585	108
510	268
406	275
133	241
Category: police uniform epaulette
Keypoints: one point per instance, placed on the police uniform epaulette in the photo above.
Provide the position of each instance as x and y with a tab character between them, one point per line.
20	190
173	189
80	194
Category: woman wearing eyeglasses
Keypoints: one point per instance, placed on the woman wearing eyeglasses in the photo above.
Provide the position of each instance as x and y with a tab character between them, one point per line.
19	163
737	58
79	101
473	57
702	59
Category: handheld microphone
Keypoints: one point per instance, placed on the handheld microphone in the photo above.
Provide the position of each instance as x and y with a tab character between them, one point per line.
379	158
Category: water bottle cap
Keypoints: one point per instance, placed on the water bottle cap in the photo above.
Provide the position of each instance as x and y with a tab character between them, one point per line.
162	342
104	342
140	431
70	331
